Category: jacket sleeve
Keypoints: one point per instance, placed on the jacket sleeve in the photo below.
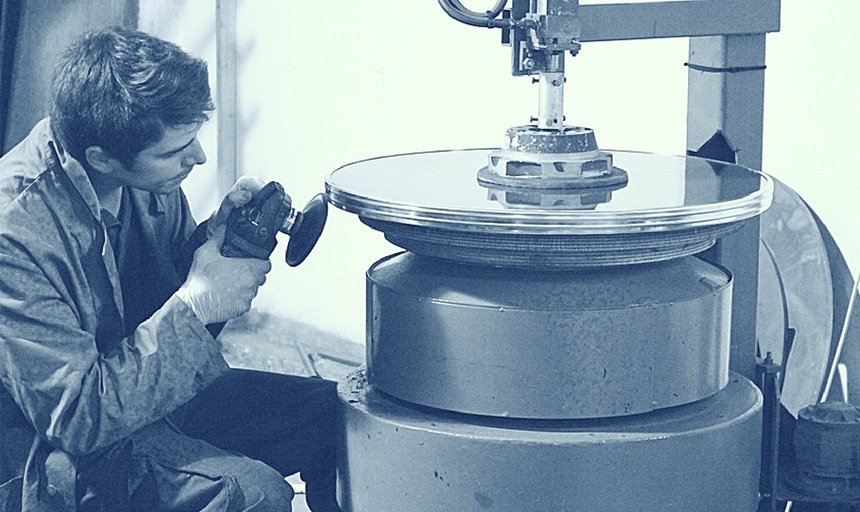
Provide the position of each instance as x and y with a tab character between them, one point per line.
76	398
188	236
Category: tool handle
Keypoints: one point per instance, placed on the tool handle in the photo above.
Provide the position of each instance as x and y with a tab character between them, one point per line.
251	228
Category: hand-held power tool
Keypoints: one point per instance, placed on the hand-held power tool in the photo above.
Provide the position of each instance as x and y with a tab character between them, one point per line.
251	228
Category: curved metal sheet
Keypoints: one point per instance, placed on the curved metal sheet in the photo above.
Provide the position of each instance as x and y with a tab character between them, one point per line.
843	288
795	276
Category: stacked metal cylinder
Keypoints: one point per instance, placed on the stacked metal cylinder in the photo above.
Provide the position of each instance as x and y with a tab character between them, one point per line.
521	357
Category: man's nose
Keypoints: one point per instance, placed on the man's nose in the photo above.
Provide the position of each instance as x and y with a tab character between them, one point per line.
196	155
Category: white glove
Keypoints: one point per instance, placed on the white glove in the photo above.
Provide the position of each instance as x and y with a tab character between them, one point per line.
240	193
219	288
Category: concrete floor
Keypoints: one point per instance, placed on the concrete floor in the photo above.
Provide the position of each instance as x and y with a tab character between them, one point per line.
265	342
262	341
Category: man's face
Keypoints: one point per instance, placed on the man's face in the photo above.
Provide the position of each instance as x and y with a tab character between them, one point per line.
163	166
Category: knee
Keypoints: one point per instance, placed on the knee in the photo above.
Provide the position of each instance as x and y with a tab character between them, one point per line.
265	490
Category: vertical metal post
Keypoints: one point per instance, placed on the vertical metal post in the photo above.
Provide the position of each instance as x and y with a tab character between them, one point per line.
226	94
769	377
551	94
726	97
726	93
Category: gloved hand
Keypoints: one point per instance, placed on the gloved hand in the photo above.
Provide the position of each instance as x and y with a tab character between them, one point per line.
240	193
218	288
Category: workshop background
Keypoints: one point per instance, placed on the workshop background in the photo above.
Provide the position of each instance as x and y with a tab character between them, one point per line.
322	84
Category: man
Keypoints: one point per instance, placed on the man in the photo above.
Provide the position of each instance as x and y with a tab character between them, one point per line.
114	393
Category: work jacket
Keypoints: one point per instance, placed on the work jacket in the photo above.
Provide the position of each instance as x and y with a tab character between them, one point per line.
84	363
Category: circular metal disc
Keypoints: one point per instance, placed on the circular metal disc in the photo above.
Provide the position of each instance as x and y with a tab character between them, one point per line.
440	190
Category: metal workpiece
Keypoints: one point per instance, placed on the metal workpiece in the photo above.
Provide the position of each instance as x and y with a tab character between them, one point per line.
702	456
434	204
577	344
439	189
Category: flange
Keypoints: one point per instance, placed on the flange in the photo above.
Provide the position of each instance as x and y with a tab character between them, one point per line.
565	159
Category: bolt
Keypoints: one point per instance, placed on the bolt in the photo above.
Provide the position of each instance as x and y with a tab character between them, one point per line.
528	63
556	82
535	80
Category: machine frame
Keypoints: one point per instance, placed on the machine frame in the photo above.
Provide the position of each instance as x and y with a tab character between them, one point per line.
725	108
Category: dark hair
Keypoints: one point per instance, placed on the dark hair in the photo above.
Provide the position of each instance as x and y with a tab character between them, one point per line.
118	89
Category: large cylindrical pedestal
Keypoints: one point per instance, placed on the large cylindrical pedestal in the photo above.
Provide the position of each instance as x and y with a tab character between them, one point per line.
701	457
583	343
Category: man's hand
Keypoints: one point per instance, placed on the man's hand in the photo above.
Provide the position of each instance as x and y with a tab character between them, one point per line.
240	193
218	288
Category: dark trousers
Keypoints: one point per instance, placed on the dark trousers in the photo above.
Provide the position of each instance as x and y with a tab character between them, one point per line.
287	422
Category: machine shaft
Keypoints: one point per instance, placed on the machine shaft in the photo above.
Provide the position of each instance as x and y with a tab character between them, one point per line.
551	106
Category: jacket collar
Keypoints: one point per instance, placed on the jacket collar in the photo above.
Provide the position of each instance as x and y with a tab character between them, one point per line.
55	155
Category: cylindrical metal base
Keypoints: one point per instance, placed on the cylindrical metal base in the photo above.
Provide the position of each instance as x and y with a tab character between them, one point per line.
703	457
549	345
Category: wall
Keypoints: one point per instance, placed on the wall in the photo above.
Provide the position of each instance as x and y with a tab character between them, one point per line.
46	29
191	24
325	85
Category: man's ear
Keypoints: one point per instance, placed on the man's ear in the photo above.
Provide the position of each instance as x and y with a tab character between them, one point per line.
101	161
